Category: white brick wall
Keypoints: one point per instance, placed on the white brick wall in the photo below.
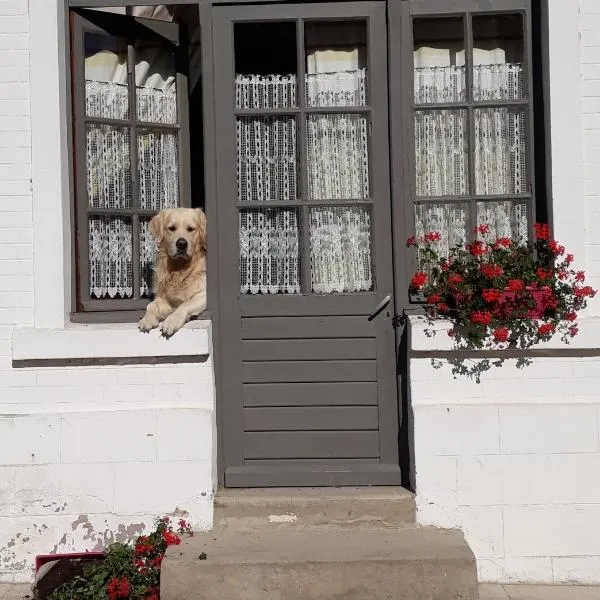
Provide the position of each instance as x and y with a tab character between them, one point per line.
86	453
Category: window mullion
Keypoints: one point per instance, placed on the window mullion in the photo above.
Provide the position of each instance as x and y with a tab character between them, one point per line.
134	173
472	211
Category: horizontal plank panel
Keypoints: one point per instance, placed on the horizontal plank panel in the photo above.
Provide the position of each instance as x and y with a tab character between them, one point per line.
320	418
261	305
309	370
310	394
333	349
269	328
312	444
299	462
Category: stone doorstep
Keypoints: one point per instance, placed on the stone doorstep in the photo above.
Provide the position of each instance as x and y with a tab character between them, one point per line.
411	563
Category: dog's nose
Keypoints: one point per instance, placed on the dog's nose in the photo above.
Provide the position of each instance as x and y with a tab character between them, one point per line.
181	244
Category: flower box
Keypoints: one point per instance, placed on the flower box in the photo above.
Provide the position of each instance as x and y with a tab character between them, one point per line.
540	298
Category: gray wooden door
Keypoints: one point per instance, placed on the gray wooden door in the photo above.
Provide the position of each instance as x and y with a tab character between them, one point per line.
307	382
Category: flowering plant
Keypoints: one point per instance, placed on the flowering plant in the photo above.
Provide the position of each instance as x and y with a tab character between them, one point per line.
499	293
130	571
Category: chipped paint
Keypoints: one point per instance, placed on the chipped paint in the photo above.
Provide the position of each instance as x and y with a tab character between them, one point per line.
287	518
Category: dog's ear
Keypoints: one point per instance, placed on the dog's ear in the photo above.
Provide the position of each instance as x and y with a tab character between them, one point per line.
157	227
201	218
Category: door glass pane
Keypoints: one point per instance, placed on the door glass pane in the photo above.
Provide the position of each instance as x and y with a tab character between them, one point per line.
336	63
266	159
439	60
500	151
158	170
108	166
337	149
498	57
269	251
147	254
265	65
155	84
448	219
441	152
340	249
505	219
105	69
110	257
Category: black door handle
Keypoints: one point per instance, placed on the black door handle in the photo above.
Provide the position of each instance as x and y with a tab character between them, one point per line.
380	307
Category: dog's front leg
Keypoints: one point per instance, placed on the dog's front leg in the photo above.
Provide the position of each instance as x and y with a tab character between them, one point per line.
156	311
183	313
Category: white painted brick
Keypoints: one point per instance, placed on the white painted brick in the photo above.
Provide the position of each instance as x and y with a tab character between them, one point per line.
7	490
16	251
16	316
141	394
175	488
576	569
591	88
15	139
14	41
30	440
528	479
5	332
456	430
87	376
200	394
521	569
436	478
490	570
589	73
17	378
37	489
590	55
21	235
87	488
131	434
166	394
548	429
17	108
437	515
177	435
589	7
16	219
14	24
483	529
586	368
16	299
11	268
591	22
591	138
590	106
12	123
552	530
15	90
51	377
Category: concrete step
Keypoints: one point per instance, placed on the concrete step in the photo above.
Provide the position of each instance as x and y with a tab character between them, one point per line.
409	563
255	509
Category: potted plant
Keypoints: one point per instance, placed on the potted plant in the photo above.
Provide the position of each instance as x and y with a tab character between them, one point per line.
498	293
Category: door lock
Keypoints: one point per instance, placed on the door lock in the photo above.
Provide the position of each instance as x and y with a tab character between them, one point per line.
380	307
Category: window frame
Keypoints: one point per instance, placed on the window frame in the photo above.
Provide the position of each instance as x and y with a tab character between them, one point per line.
134	30
402	127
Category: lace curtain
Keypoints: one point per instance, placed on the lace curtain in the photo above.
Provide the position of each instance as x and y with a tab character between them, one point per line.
500	137
337	169
109	169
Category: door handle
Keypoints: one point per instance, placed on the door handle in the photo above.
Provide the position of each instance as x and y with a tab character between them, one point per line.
380	307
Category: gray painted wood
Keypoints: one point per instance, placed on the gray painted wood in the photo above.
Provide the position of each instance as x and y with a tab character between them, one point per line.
309	370
350	349
315	327
311	444
322	418
310	394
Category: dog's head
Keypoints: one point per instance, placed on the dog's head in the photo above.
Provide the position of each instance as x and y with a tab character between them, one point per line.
180	232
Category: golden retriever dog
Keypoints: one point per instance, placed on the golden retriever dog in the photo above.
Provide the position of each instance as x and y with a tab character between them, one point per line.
180	269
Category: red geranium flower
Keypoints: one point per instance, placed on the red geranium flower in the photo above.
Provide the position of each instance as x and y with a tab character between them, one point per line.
515	285
434	299
542	231
572	316
411	241
582	292
118	587
546	328
443	307
419	280
503	242
573	330
580	276
555	248
477	248
433	236
490	295
454	279
171	539
481	317
569	259
491	270
483	229
501	334
153	595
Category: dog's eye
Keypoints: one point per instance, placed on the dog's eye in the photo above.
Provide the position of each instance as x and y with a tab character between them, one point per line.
172	228
190	229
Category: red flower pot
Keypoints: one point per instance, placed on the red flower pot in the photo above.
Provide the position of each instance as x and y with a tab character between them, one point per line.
540	299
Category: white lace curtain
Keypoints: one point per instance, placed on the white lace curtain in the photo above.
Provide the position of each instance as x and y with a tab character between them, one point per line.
337	169
108	161
500	137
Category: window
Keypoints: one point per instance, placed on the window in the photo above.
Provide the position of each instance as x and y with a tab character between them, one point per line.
130	151
471	111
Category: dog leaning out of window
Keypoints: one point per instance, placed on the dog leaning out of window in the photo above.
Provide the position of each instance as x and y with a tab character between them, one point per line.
180	269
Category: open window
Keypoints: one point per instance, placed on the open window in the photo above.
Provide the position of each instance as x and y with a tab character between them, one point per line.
131	150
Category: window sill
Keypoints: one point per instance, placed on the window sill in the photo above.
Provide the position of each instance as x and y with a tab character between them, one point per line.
109	342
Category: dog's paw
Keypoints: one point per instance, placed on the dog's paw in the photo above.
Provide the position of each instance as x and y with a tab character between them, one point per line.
174	322
148	322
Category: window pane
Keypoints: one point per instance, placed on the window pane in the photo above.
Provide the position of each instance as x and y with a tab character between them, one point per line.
155	82
110	257
500	151
449	219
147	254
269	251
106	92
266	159
498	58
108	166
265	65
338	156
340	249
336	63
441	153
158	170
506	220
439	60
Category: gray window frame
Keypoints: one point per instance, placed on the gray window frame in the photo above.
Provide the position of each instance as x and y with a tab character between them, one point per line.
403	107
133	29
